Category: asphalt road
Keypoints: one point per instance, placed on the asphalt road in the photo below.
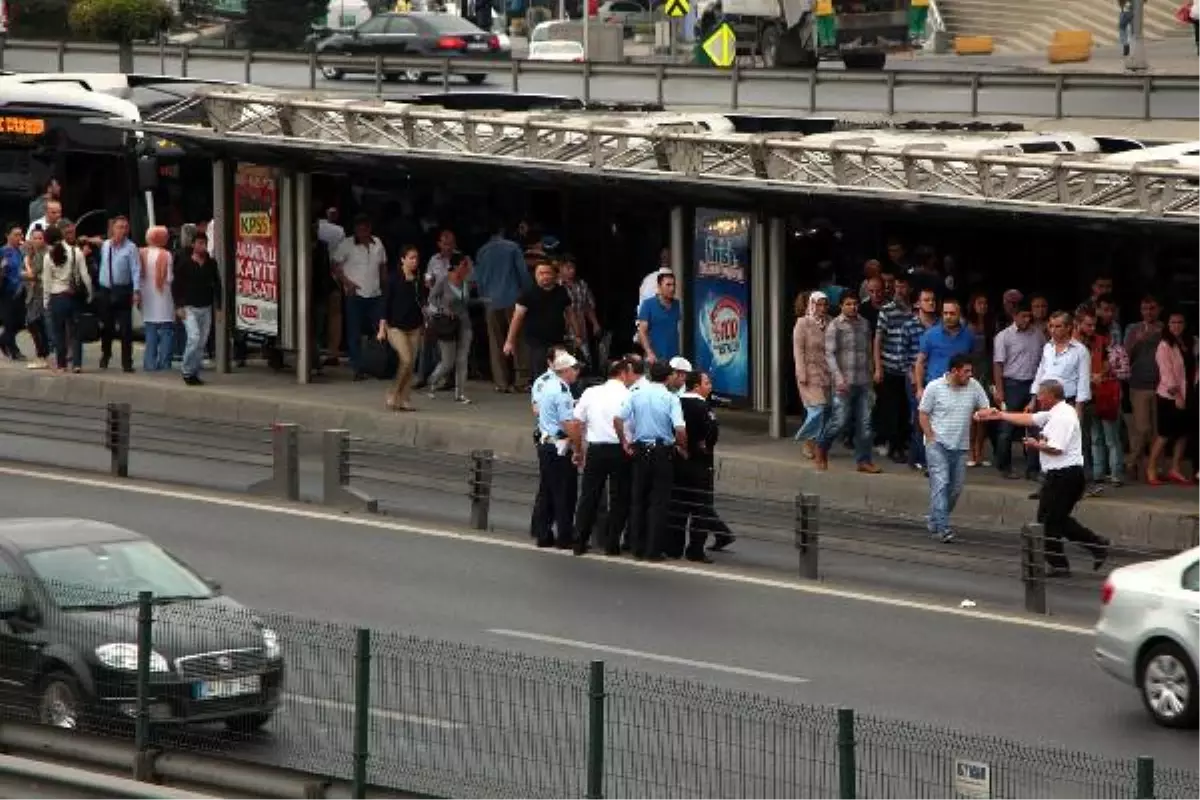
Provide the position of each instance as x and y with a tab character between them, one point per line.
916	91
451	716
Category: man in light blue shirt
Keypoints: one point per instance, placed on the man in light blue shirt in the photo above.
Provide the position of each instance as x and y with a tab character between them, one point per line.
120	279
656	418
1064	360
557	484
501	275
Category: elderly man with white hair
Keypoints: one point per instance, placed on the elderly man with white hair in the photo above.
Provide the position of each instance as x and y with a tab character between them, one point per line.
157	302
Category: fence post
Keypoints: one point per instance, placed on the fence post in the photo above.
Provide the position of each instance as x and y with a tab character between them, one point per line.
735	78
247	60
184	49
62	57
116	438
482	462
312	69
378	75
847	769
1033	567
362	711
145	640
1145	778
595	757
807	534
285	464
335	475
587	82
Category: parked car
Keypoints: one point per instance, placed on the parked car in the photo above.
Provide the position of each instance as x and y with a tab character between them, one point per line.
413	34
627	13
69	633
556	51
1147	634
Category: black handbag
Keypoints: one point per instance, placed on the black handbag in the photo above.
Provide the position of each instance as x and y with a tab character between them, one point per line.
444	327
87	327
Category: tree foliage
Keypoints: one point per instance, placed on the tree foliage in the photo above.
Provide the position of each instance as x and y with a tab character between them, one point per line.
119	20
280	24
35	19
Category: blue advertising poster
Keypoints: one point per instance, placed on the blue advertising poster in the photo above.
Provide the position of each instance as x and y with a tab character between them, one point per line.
721	288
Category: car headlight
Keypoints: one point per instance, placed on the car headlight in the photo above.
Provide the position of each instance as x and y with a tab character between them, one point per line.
271	643
124	655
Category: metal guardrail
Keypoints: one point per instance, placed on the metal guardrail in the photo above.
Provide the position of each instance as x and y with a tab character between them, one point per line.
57	776
952	90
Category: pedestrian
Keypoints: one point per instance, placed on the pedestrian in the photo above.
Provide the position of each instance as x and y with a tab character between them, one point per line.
556	469
545	380
680	369
1141	345
332	234
541	315
360	265
659	322
812	370
450	324
51	192
604	462
501	275
157	304
437	267
1066	360
982	325
583	309
922	321
1110	366
946	415
12	292
120	290
66	285
658	435
403	324
197	293
1060	450
940	343
1015	356
53	215
848	354
35	306
694	509
1174	424
892	415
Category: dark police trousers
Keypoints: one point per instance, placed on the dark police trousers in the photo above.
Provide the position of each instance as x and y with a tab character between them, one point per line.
556	497
653	477
605	464
692	499
1061	490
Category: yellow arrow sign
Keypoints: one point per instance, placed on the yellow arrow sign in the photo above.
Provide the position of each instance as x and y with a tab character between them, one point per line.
678	8
721	47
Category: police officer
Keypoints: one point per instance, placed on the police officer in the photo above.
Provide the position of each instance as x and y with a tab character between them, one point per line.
556	472
658	434
605	462
681	369
539	516
694	484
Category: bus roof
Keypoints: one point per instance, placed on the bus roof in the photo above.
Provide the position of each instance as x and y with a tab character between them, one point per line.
68	97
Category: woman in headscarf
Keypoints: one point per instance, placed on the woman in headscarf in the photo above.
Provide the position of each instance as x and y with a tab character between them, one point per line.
812	372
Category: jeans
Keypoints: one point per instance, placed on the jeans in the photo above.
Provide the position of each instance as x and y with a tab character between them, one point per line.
1107	452
851	408
196	322
947	474
64	315
814	422
362	319
159	345
1016	395
453	354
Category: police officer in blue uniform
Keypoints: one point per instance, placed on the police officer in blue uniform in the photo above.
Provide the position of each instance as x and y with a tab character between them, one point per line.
651	428
557	476
539	383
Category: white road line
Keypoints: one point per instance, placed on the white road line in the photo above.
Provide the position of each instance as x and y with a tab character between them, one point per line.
381	713
622	651
378	523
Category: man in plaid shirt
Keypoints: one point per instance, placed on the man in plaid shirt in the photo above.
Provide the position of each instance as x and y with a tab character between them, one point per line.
848	353
893	362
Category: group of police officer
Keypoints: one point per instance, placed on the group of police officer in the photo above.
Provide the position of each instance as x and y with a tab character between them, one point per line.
648	438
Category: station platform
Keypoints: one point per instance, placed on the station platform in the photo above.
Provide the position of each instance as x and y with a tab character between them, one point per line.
749	462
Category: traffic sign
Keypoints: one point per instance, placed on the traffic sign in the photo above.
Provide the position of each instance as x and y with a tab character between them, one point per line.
721	47
678	8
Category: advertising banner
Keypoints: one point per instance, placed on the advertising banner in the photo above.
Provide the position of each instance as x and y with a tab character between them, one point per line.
721	288
256	210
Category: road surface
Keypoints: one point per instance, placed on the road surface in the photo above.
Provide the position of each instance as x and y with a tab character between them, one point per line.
777	95
452	717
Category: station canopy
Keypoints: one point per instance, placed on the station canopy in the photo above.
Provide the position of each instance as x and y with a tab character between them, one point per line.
696	157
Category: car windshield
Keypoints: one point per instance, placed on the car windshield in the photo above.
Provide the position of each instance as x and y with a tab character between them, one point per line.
109	575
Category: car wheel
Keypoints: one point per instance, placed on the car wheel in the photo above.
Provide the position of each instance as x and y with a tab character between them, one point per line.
248	723
476	80
59	702
332	73
1168	683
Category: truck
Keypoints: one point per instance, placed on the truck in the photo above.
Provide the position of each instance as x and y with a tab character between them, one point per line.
784	33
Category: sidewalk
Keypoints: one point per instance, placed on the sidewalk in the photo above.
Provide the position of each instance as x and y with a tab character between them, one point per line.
749	463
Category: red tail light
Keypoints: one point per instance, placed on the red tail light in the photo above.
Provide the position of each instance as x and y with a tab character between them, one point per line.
1106	593
493	42
451	43
612	19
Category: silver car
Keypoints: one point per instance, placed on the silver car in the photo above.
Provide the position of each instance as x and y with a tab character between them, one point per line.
1147	634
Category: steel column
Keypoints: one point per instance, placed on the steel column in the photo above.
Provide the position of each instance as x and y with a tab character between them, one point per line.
679	258
306	334
759	323
777	300
225	253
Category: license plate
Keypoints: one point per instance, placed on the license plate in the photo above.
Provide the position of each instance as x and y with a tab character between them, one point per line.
230	687
477	46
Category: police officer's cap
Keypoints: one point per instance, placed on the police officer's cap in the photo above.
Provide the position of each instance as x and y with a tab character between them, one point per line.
564	361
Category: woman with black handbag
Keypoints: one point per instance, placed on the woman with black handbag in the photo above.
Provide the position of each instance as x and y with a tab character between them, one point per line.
65	285
450	324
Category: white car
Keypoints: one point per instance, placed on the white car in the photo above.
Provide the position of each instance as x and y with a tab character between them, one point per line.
557	50
1147	634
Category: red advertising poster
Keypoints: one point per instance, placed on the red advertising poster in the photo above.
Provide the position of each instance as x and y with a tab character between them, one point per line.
256	208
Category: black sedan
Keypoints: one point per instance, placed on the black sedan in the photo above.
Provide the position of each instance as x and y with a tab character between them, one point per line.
69	633
397	35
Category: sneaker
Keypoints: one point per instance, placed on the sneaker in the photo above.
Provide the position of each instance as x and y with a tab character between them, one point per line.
1094	490
946	536
37	363
1115	482
462	399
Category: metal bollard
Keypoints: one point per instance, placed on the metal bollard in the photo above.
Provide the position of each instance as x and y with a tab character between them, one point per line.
1145	778
808	534
116	438
480	490
335	475
284	482
595	741
1033	567
846	755
145	638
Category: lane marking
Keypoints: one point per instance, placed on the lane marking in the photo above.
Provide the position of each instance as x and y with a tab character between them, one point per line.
726	575
643	655
381	713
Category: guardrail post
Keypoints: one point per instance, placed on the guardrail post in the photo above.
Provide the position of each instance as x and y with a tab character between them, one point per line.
1147	91
482	462
116	438
1145	778
1033	567
807	534
595	743
735	78
847	769
162	54
378	75
891	87
285	464
587	82
61	53
975	94
247	60
312	69
145	642
445	75
812	89
184	50
3	46
335	475
1060	86
362	712
516	75
660	77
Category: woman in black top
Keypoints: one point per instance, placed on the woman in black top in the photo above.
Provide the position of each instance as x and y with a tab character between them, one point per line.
403	323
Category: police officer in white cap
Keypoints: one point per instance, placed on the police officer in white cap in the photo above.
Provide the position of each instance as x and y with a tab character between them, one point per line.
556	472
681	368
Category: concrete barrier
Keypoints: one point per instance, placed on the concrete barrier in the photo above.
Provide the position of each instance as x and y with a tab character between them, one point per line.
1068	47
973	45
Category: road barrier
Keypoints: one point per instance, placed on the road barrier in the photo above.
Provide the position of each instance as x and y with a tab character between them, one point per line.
370	713
912	91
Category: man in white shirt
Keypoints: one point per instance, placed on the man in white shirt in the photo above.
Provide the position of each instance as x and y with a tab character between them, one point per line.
605	461
51	218
1060	447
330	231
360	266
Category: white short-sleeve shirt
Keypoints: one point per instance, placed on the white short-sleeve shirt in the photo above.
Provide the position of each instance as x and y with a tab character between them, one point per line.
597	408
1060	429
362	264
